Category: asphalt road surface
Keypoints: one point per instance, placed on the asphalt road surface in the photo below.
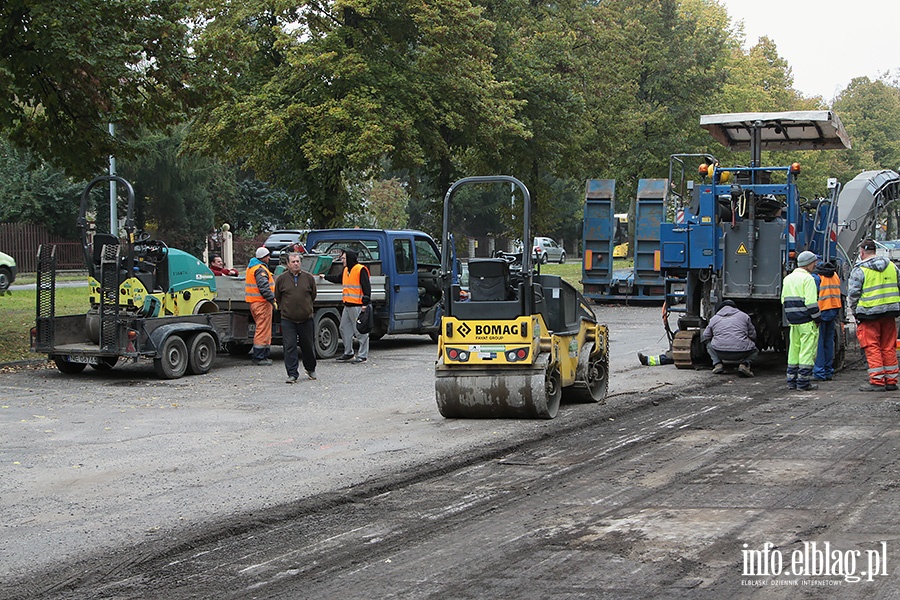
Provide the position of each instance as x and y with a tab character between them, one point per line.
234	485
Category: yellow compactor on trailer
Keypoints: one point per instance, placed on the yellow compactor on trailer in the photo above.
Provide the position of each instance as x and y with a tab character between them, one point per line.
519	342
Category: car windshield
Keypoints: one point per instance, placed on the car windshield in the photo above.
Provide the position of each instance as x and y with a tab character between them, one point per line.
282	239
365	249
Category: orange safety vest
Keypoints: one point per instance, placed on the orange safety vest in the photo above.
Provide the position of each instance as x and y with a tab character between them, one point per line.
829	292
353	291
251	291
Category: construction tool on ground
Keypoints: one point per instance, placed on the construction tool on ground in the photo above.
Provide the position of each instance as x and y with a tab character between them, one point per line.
519	342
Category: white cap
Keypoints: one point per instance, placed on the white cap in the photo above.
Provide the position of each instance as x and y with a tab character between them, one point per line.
262	252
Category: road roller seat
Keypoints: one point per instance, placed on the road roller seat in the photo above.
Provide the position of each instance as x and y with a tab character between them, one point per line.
489	279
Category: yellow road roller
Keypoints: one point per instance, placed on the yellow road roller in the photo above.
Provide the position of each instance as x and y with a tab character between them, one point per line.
518	342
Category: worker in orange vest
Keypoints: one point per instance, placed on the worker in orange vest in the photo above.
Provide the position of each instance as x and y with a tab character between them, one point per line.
259	294
357	292
829	286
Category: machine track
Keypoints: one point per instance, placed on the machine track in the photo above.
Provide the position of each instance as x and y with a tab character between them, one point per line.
686	347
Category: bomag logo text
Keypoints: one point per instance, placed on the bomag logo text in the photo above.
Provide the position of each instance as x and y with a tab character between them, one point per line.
496	329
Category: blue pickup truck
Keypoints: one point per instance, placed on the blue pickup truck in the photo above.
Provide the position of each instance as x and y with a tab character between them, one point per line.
406	289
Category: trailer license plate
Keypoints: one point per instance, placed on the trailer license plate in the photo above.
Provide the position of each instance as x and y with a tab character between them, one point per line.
85	360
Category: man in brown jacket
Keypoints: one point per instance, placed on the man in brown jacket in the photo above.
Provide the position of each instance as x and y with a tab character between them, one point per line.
295	291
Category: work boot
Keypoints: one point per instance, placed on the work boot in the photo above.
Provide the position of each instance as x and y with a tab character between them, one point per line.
744	370
871	387
263	362
890	387
344	358
718	369
642	358
808	387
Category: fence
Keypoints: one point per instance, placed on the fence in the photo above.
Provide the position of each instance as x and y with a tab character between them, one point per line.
21	241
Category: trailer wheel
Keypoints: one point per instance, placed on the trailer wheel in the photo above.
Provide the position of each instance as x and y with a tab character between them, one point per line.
173	360
66	367
201	353
327	337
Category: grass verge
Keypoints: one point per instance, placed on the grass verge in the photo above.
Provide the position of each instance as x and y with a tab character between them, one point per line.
17	310
571	271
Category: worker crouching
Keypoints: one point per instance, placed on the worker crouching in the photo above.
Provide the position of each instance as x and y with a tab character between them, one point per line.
730	336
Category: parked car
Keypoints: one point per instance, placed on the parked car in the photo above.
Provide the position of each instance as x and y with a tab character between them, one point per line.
281	238
545	250
7	271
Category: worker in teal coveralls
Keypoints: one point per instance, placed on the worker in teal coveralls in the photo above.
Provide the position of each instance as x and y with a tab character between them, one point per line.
801	308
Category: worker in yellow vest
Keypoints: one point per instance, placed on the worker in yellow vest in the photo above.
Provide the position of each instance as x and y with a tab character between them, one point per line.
829	286
873	296
259	294
801	308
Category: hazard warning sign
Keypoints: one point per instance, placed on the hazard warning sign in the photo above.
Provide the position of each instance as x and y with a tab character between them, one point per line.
742	249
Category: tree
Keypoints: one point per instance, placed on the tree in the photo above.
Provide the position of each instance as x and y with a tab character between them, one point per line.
34	192
70	68
870	111
176	193
387	202
314	98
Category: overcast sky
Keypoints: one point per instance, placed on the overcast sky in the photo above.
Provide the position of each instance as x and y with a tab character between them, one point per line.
827	43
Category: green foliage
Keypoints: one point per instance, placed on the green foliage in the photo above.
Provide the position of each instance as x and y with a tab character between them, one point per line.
177	193
34	192
70	68
314	101
17	317
870	111
327	91
387	201
260	208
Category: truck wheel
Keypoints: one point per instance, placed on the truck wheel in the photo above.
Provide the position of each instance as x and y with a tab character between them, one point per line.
328	337
173	360
66	367
201	353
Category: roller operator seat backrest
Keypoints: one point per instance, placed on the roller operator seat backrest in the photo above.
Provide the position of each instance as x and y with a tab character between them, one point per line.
488	279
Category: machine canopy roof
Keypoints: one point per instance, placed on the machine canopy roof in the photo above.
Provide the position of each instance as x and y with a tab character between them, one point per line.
792	130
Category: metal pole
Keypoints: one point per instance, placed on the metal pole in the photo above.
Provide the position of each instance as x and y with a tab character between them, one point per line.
113	212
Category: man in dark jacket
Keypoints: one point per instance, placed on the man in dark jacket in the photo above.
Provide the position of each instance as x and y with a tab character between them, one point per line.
829	286
730	336
295	291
